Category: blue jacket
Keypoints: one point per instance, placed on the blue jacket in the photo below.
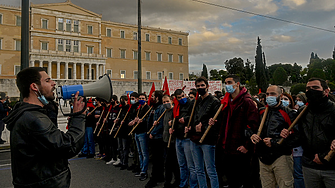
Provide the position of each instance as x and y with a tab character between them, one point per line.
157	132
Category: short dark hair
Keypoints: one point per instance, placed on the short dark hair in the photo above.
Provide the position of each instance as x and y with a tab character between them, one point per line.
193	93
234	77
143	94
201	79
134	94
322	81
159	94
114	97
178	92
167	96
124	97
26	77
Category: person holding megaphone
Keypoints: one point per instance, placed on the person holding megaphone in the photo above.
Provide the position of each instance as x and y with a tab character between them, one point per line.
39	150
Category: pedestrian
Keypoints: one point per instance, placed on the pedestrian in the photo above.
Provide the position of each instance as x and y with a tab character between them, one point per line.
39	150
234	148
4	109
315	133
275	161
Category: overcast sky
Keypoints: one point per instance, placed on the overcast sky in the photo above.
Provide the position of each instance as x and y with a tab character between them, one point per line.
217	34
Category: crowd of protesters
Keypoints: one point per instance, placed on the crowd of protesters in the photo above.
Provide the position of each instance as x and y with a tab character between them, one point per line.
237	148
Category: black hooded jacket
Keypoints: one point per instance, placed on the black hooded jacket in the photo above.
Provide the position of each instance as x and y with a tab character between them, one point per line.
39	150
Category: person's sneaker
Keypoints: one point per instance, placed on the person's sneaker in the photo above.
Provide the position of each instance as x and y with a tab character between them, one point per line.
151	183
118	161
138	174
124	167
110	162
131	155
82	155
143	177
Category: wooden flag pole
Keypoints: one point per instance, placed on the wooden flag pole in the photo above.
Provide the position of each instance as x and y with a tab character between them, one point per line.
160	117
140	120
115	122
210	126
262	122
174	120
189	121
98	122
117	132
103	123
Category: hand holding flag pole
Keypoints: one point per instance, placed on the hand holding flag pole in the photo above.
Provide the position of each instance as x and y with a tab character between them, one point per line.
98	121
191	116
160	117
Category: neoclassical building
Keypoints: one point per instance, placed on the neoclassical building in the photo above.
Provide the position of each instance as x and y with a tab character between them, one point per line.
73	43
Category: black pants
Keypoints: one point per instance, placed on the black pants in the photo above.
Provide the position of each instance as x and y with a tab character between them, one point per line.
111	147
157	149
171	164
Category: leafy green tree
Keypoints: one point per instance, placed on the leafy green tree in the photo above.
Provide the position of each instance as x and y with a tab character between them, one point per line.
192	76
261	78
318	73
252	85
235	66
217	75
299	87
204	72
279	76
248	70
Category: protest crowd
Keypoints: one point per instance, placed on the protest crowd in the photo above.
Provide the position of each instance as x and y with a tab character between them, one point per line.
196	139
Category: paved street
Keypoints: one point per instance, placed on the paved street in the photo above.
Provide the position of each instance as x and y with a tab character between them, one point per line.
86	173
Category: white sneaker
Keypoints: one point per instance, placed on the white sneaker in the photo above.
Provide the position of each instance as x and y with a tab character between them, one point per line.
117	162
111	162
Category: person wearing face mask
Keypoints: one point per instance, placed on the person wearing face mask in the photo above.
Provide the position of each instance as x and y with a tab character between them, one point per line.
234	148
188	175
301	100
275	160
204	153
316	135
287	100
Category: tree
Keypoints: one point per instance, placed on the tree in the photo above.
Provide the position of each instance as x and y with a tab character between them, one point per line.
260	69
192	76
236	66
318	73
217	75
204	72
334	54
248	70
279	76
252	85
296	88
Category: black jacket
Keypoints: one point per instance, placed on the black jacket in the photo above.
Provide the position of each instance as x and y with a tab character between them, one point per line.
275	122
39	150
316	132
184	112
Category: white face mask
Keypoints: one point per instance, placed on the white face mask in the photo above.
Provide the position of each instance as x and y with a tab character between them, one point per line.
132	101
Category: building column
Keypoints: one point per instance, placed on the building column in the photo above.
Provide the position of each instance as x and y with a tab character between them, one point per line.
97	71
66	70
103	69
82	71
58	70
100	69
41	63
90	71
32	63
50	69
75	71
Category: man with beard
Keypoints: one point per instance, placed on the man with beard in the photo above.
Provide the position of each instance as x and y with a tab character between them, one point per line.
39	150
316	136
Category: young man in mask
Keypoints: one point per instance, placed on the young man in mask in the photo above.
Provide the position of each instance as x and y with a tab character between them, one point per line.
39	150
188	175
234	148
275	160
316	135
206	107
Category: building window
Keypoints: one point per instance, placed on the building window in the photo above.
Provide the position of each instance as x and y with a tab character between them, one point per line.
90	49
159	75
68	46
0	44
17	69
147	37
135	36
123	54
170	75
76	26
109	72
44	24
181	76
135	74
122	34
69	73
0	18
180	58
90	29
109	52
68	25
76	46
159	56
122	74
135	55
109	33
147	56
180	42
148	75
60	45
170	40
170	57
18	45
60	24
159	39
44	45
18	20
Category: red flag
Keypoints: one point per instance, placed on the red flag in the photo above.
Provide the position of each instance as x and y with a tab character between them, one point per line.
150	93
225	100
166	87
90	103
129	103
197	95
176	108
259	91
183	88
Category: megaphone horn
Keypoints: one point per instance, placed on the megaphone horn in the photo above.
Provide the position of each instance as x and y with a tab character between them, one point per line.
101	88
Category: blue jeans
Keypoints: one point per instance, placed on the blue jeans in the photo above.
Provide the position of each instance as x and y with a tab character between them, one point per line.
205	153
186	163
143	152
89	146
297	173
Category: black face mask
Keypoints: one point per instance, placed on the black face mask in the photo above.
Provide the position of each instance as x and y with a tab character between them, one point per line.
201	91
123	103
314	96
113	102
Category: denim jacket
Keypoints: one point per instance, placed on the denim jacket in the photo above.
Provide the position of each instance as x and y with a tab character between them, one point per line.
157	132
